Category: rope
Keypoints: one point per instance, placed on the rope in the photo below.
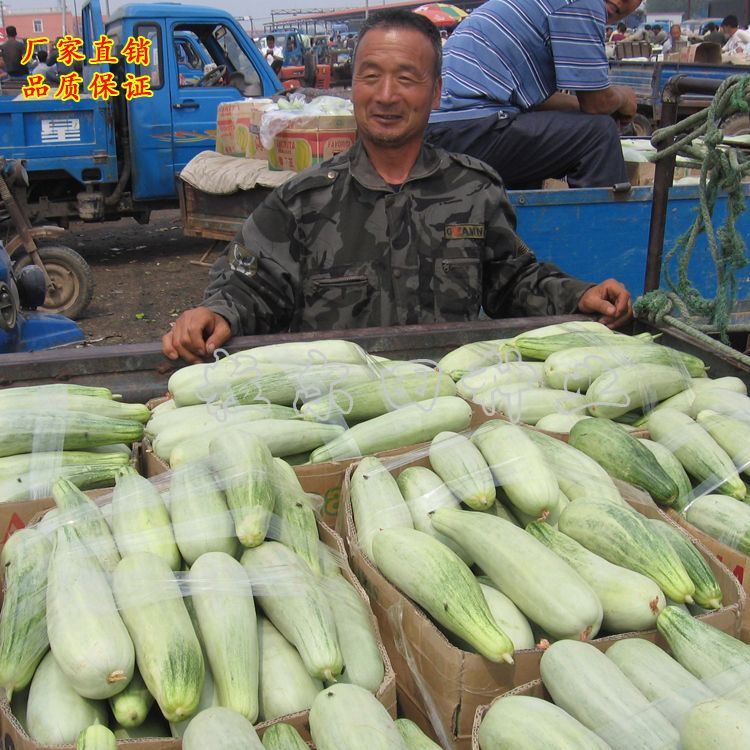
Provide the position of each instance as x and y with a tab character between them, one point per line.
722	170
656	307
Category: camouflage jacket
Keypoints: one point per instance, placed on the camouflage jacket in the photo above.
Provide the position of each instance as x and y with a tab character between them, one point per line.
337	247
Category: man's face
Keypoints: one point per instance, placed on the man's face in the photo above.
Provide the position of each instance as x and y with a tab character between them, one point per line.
394	86
675	32
619	9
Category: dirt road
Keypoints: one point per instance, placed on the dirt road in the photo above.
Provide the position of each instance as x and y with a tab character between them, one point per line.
143	276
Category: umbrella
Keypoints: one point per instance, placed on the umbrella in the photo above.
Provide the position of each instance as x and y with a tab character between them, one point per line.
441	14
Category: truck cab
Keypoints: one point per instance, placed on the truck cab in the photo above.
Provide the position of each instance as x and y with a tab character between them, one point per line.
98	158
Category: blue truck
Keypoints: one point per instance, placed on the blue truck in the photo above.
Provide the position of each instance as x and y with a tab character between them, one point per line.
99	160
648	79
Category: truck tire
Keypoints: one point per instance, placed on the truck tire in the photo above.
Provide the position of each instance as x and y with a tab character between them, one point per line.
71	277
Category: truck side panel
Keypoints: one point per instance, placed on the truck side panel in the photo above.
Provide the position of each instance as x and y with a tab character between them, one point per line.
52	135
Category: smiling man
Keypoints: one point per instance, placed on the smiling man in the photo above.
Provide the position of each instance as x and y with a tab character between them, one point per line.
503	72
391	232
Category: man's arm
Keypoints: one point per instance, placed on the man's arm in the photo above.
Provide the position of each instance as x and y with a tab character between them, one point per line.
560	102
619	101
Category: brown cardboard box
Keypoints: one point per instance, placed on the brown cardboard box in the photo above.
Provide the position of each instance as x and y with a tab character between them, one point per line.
734	560
533	689
311	140
15	737
238	128
440	684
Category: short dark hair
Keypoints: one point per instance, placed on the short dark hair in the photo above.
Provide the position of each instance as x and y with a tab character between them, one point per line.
656	27
647	27
710	26
41	55
404	19
11	30
621	27
731	22
270	38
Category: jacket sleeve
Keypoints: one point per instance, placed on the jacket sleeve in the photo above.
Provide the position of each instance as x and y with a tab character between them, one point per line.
515	283
255	284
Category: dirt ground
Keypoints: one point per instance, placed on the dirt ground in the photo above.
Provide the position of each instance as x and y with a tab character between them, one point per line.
143	276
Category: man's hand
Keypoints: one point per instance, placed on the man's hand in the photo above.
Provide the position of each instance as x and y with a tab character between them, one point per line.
611	299
197	333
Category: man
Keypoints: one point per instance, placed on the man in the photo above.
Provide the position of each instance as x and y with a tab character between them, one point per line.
391	232
274	56
675	37
41	67
713	35
293	54
737	39
503	71
12	52
660	36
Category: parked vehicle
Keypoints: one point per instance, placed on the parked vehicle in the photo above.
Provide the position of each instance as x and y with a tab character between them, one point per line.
648	80
102	159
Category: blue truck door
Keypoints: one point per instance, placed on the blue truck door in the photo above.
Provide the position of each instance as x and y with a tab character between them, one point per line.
240	72
150	120
93	25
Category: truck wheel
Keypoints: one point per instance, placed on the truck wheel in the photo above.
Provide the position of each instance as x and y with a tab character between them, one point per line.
641	125
72	281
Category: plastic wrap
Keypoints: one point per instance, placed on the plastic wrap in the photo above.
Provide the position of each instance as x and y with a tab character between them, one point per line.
442	683
297	112
150	523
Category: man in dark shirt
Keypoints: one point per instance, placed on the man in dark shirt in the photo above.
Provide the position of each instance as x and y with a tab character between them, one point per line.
12	52
391	232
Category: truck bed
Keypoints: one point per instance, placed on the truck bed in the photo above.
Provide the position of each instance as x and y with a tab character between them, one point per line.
140	371
56	136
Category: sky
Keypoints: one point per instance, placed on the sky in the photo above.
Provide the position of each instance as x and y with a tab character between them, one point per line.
259	10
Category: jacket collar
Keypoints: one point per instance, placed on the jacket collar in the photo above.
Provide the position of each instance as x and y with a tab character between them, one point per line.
361	169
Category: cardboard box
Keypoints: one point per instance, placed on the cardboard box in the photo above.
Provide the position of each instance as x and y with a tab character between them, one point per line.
442	685
14	736
238	128
311	140
734	560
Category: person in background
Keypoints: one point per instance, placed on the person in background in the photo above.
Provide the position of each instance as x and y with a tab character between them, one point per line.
292	53
660	36
737	39
274	56
620	34
443	37
675	37
42	67
12	52
504	69
390	232
713	35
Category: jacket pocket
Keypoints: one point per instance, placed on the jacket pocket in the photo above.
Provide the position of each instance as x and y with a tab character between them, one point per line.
457	288
338	299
